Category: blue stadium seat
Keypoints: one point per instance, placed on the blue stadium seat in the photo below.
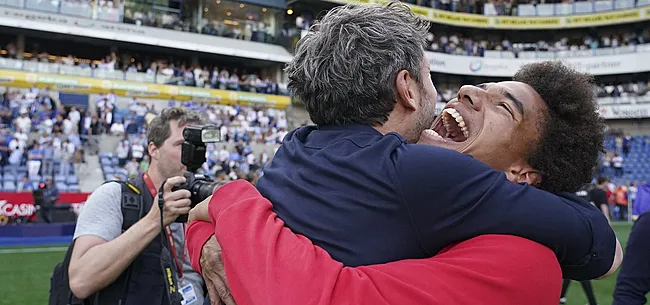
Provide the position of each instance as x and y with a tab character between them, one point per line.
9	177
22	169
121	171
73	188
72	180
105	161
59	178
9	186
108	170
116	161
62	187
36	178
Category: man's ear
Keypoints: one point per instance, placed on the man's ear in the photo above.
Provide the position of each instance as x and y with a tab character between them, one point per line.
405	94
153	151
524	173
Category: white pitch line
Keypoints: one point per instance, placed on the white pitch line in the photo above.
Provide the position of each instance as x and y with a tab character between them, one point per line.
33	250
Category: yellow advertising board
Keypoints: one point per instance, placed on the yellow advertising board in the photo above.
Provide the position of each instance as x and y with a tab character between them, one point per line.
74	84
527	22
517	23
620	16
460	19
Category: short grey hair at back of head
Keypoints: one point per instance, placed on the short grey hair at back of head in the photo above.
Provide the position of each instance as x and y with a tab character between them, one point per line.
159	128
344	70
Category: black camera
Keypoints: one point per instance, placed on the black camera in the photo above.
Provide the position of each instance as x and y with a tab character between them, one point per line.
193	156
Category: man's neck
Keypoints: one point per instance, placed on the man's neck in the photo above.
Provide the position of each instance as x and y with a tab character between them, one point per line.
155	176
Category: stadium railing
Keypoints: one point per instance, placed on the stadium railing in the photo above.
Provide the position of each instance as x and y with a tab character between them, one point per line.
54	68
568	53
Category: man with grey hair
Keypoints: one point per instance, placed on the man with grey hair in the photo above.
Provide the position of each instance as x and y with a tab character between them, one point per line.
111	262
357	186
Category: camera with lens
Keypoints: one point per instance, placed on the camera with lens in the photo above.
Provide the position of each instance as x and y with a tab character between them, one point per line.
193	156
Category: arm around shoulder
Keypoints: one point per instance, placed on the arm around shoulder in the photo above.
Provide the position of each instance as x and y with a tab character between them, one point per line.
453	197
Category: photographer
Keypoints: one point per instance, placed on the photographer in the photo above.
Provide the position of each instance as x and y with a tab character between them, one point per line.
103	250
50	197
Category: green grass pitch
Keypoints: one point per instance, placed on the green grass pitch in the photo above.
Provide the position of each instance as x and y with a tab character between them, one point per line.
25	277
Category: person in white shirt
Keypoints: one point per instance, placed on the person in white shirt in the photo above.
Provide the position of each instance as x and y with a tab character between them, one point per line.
74	115
618	164
21	138
117	128
137	151
23	122
67	152
68	125
122	152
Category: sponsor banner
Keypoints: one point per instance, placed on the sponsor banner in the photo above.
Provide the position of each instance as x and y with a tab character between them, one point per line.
516	22
629	111
22	204
527	22
619	16
460	19
499	67
75	84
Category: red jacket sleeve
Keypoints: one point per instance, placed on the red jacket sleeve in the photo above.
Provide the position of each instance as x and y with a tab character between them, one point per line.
196	235
266	263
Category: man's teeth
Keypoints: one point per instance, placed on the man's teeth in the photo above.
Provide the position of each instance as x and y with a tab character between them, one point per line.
433	133
459	119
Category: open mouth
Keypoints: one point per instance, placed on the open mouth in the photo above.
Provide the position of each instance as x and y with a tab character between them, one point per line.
450	126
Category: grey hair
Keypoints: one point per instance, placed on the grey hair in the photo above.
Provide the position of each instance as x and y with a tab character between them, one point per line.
159	128
344	70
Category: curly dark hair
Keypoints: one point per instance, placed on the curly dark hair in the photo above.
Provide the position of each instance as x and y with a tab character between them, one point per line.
572	132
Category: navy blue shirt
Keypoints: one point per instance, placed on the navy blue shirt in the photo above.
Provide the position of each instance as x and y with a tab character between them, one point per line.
633	283
368	198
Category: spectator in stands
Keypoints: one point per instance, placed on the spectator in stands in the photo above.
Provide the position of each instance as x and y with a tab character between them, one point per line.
122	152
118	128
34	160
24	185
48	159
132	168
617	162
144	164
4	150
137	150
67	153
23	123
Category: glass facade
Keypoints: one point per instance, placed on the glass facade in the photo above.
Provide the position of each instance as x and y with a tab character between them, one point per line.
240	20
225	18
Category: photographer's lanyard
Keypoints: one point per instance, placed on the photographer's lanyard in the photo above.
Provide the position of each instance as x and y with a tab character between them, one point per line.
154	193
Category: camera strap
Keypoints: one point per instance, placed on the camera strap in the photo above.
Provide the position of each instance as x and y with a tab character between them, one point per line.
171	269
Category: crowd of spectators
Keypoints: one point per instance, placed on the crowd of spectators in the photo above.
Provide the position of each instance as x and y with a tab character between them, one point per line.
58	144
457	44
630	89
176	73
241	126
615	90
237	123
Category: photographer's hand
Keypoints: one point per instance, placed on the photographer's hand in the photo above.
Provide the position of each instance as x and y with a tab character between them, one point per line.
214	273
175	203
